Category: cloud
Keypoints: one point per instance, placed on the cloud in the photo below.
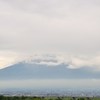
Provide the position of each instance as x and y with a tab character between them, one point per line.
67	26
9	58
50	26
51	60
93	62
71	61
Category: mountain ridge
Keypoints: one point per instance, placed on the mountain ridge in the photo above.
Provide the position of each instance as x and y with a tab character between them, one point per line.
24	70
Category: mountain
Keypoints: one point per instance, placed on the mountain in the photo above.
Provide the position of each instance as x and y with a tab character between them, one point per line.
23	70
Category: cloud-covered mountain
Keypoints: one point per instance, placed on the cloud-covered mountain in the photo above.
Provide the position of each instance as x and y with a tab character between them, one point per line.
46	69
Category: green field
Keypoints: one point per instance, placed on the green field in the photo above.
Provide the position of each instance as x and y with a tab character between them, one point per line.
47	98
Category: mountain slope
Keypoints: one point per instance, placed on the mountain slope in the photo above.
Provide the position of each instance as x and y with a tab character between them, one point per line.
38	71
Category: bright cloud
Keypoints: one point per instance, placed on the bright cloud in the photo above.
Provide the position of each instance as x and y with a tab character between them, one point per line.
8	58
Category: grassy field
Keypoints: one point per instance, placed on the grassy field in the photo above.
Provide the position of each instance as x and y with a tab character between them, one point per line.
47	98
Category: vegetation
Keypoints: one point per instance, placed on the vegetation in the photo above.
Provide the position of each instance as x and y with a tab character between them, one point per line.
46	98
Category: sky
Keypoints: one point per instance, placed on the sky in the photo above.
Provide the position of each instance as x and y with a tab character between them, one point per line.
64	28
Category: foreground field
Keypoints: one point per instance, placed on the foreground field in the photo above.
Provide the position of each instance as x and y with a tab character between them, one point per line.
47	98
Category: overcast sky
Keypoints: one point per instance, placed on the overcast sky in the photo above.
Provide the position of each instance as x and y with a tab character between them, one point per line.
66	26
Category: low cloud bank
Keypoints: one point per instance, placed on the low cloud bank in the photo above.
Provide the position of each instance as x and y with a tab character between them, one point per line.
71	61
